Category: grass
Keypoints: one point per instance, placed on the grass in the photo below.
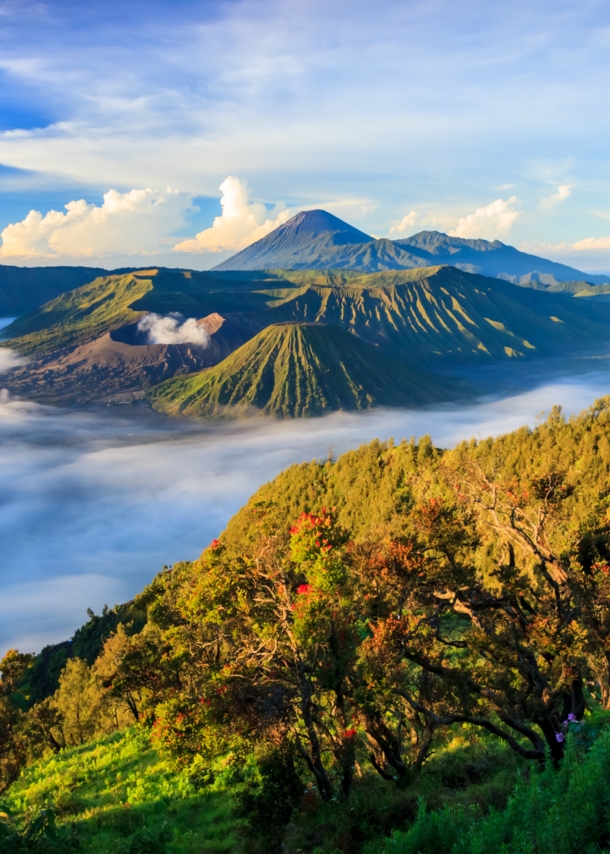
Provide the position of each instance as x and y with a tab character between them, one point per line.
474	796
564	811
120	792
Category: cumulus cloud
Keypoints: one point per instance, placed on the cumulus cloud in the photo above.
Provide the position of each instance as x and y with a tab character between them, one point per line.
132	223
557	198
241	223
405	224
173	329
494	220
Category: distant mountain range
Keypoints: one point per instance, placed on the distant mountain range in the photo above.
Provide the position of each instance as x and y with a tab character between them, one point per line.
404	325
317	240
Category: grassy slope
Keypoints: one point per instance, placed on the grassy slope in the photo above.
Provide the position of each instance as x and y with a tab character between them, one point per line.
23	289
113	301
80	315
441	311
474	795
298	370
431	312
118	786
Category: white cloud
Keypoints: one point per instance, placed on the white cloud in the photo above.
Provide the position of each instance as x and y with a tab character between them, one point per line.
241	223
173	329
405	224
594	243
557	198
587	244
489	222
132	223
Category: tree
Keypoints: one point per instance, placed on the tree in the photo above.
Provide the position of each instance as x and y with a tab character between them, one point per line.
129	670
13	746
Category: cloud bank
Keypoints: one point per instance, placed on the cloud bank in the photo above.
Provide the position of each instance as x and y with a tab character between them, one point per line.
492	221
592	243
93	505
241	223
173	329
10	359
132	223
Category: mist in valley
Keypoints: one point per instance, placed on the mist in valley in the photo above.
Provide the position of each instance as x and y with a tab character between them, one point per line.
94	503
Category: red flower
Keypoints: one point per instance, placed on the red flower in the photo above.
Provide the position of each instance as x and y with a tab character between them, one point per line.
349	734
304	588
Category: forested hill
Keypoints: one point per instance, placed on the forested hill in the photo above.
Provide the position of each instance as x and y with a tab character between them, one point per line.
406	640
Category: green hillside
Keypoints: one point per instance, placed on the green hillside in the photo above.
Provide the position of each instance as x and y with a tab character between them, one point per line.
427	316
429	313
443	312
403	651
80	315
110	302
119	787
24	289
298	369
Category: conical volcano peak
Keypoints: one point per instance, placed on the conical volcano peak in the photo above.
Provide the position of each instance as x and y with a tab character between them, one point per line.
314	223
299	242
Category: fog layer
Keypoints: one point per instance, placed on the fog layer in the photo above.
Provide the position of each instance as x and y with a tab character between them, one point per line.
93	504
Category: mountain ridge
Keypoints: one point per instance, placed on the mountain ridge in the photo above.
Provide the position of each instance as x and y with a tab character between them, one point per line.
296	370
300	244
439	317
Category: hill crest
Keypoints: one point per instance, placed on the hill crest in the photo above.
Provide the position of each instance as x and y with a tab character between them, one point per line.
296	370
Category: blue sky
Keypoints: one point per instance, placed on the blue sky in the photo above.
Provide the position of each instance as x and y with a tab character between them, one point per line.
476	118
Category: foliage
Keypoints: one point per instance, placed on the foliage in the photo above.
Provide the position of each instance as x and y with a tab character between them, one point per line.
438	632
269	800
565	811
13	749
39	836
471	589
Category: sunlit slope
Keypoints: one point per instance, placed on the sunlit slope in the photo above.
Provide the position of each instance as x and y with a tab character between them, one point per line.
441	311
294	370
80	315
424	313
110	302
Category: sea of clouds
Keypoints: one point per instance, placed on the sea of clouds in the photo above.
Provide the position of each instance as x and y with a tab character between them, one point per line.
93	504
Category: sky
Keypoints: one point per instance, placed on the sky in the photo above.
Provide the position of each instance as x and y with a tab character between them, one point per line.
177	132
93	505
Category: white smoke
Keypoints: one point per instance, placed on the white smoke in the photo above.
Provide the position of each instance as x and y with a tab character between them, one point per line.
173	329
